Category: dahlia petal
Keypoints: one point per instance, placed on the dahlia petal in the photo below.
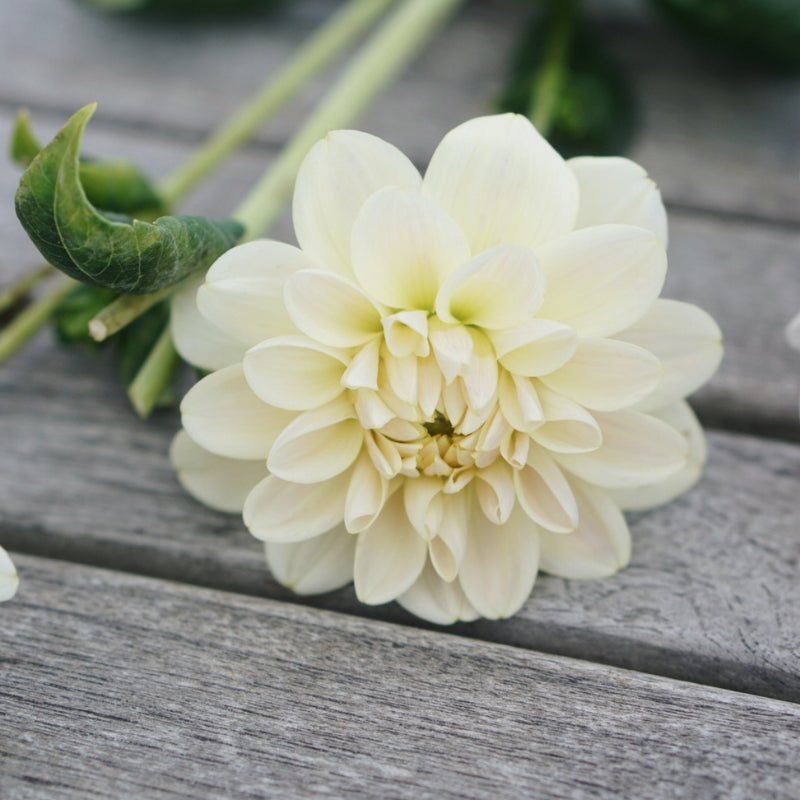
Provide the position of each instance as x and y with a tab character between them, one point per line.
243	291
218	482
294	372
370	409
282	511
331	309
335	179
601	280
480	375
686	340
681	417
383	453
452	348
402	376
544	493
422	498
362	372
502	183
318	444
618	190
389	555
313	566
197	340
637	449
404	247
568	427
535	347
606	375
494	488
446	549
497	289
597	548
9	580
436	600
429	385
500	564
223	415
406	333
519	402
366	495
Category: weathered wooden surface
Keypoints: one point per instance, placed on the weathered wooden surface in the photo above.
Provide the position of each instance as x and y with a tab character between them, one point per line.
121	686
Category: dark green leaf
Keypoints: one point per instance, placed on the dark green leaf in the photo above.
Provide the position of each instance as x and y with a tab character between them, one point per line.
72	316
127	256
24	144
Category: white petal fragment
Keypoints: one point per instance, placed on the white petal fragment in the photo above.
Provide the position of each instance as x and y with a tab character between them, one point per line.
568	427
222	414
599	547
294	372
436	600
330	309
366	495
9	580
497	289
316	565
494	488
220	483
389	555
503	183
601	280
519	402
335	179
618	190
544	493
446	550
404	247
535	347
500	564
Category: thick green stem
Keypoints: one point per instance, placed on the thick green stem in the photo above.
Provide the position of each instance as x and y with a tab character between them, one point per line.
124	310
376	64
154	375
16	292
330	41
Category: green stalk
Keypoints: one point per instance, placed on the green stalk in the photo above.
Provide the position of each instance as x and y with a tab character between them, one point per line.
124	310
155	374
16	292
379	61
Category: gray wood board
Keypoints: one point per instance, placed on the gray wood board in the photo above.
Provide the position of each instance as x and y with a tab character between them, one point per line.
115	685
711	596
714	134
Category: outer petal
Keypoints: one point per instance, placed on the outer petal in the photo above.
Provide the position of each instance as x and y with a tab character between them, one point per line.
437	601
500	563
337	176
534	348
688	343
243	292
218	482
544	493
316	565
568	427
618	190
197	340
601	544
601	280
366	495
503	183
682	419
403	248
9	581
222	414
389	555
279	511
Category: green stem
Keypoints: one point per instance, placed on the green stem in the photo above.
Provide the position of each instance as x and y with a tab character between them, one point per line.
14	293
321	48
549	82
154	375
376	64
124	310
27	322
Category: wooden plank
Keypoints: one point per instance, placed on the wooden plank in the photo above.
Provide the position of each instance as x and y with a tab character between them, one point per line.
114	685
714	135
711	596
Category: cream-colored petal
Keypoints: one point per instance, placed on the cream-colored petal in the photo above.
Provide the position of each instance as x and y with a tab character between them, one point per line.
481	373
437	601
495	492
601	280
544	493
218	482
429	385
401	373
243	291
9	580
637	449
600	545
500	564
294	372
197	340
406	333
281	511
452	347
535	347
335	179
614	189
497	289
362	371
686	340
330	309
423	502
681	417
446	549
318	444
389	555
503	183
404	247
316	565
519	402
568	427
366	495
222	414
606	375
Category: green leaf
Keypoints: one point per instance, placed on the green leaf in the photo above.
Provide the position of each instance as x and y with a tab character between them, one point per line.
124	255
71	317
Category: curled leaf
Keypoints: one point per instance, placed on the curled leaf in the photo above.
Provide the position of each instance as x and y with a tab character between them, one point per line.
121	254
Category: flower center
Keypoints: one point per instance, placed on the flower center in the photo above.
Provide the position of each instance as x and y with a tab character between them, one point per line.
439	426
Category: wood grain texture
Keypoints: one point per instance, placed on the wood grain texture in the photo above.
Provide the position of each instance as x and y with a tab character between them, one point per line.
114	685
711	596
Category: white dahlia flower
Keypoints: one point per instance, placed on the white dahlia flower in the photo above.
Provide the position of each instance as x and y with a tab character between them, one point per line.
455	381
8	577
